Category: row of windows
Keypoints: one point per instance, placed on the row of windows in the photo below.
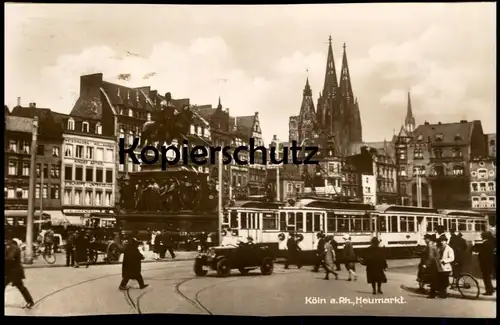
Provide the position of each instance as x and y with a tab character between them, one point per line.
16	168
25	147
438	153
481	187
22	193
482	173
85	126
483	202
87	152
313	222
130	112
89	175
87	197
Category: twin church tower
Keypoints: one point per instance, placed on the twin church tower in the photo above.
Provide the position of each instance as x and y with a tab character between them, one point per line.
337	112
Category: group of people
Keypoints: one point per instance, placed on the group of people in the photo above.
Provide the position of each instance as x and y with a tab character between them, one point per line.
162	242
328	256
443	256
77	248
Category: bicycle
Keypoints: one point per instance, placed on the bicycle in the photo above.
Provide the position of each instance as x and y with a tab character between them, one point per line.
465	283
49	256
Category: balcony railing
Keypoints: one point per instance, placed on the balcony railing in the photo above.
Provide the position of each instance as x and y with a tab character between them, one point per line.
447	159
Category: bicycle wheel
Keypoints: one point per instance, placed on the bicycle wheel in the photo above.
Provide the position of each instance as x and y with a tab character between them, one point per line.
49	258
468	286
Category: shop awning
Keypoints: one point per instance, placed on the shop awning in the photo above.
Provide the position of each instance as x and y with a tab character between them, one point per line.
23	213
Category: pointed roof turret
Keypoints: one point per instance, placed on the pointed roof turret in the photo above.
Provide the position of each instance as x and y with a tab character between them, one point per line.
345	87
409	120
331	83
307	89
219	106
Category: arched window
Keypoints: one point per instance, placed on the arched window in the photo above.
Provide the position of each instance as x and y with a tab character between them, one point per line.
85	127
458	170
457	152
438	171
148	116
98	128
491	186
71	124
438	153
130	113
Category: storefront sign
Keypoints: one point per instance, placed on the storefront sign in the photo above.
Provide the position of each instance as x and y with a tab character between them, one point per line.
90	162
88	184
86	211
90	143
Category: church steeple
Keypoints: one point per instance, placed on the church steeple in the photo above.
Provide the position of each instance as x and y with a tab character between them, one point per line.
327	101
219	105
307	89
409	120
345	80
307	115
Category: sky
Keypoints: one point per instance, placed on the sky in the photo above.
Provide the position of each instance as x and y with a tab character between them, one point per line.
257	58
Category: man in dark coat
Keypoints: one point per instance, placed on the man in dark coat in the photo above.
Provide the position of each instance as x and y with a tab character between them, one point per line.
82	243
70	249
293	252
486	260
320	251
376	264
14	271
459	246
338	260
131	266
168	242
350	258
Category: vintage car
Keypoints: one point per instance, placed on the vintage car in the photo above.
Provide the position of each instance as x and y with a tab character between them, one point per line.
243	257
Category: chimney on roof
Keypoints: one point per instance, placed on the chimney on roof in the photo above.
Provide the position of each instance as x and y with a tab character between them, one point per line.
463	121
275	137
32	105
426	123
439	123
256	113
18	101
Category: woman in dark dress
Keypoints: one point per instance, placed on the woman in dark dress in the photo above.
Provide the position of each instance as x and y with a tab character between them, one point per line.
131	267
375	263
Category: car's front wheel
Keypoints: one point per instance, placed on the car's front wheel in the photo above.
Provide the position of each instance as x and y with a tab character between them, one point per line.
267	266
198	268
223	268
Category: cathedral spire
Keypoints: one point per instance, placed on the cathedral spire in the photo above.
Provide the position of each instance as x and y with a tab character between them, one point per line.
307	89
327	101
409	120
219	105
345	79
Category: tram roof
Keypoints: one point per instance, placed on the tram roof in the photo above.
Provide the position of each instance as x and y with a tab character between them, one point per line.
256	205
384	208
462	213
332	204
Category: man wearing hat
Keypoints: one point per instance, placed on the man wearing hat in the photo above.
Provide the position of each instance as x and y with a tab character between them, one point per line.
293	251
446	258
320	251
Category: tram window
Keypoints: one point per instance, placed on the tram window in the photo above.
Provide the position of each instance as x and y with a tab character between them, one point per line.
342	223
402	224
462	225
470	225
291	218
394	223
225	218
411	224
257	221
453	224
365	222
429	224
234	220
309	222
282	221
300	221
244	220
269	222
446	224
330	222
383	224
355	223
317	222
250	222
478	225
435	223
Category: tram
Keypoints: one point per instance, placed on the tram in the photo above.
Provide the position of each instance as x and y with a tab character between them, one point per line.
401	229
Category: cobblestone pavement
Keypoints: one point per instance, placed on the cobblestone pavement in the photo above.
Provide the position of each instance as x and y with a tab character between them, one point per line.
174	289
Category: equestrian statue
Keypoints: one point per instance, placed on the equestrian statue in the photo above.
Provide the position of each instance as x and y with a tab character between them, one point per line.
167	124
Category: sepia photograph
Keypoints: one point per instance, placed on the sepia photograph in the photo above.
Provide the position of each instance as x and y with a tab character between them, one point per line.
250	160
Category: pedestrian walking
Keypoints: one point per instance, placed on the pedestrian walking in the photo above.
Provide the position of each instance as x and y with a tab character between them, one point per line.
338	256
446	258
14	271
329	258
157	246
320	251
131	266
376	264
81	248
70	249
350	258
168	242
486	260
48	240
293	249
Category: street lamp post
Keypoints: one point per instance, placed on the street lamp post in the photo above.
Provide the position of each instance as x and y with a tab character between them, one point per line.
220	208
28	256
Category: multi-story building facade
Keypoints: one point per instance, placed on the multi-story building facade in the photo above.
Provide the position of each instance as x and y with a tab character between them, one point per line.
440	154
483	186
245	128
88	168
369	188
386	177
48	160
17	147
